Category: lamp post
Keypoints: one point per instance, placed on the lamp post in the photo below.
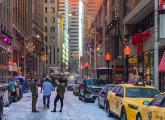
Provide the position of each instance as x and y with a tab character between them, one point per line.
108	58
127	52
27	38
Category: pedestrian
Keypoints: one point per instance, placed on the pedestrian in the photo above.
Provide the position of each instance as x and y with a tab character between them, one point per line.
134	77
148	80
54	84
41	83
60	95
47	88
34	95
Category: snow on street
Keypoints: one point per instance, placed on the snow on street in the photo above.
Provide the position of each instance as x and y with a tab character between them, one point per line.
73	110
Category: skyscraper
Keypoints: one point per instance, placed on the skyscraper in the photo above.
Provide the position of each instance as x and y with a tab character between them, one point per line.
51	33
74	35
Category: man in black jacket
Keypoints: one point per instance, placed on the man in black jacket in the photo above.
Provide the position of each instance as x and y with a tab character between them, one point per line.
34	95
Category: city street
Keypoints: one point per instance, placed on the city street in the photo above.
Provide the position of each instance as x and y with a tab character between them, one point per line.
73	110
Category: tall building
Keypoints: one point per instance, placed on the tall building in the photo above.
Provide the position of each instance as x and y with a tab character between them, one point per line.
5	37
74	35
61	22
20	31
65	51
51	33
37	22
90	10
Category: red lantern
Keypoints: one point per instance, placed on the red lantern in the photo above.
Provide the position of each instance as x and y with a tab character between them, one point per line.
108	56
127	51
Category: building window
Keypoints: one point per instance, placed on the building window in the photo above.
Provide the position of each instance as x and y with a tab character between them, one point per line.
52	38
50	53
52	29
46	9
46	20
51	10
46	29
145	24
51	1
51	19
46	38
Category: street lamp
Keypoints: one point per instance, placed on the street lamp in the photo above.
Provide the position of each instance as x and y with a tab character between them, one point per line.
127	52
86	66
108	58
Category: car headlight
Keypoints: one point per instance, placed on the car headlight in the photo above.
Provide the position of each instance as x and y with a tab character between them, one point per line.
133	107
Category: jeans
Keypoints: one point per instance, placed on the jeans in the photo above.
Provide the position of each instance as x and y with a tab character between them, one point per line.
56	100
34	101
48	100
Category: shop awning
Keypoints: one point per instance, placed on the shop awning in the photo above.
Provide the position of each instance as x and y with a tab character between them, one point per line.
162	64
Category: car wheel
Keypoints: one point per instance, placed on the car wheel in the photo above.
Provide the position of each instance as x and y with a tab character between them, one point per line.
123	115
85	100
108	110
139	117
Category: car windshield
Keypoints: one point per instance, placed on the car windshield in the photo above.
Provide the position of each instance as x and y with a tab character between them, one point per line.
95	82
141	92
78	82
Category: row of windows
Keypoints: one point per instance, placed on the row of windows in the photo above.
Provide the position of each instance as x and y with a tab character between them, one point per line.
52	29
49	1
51	38
49	10
146	23
51	49
49	19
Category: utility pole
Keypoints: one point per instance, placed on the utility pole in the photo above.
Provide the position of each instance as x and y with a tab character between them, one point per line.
156	46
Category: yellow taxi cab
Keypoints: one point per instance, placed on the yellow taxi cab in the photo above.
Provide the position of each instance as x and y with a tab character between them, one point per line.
125	99
154	110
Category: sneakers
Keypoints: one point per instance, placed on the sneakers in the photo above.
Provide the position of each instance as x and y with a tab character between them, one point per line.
35	111
48	106
53	110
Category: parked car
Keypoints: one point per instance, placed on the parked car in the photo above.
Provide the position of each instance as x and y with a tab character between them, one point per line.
76	87
70	85
125	99
90	89
154	110
102	98
4	98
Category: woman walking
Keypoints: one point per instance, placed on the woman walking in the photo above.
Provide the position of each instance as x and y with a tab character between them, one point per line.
60	95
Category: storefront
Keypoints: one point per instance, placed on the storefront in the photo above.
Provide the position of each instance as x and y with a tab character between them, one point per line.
144	66
3	65
161	73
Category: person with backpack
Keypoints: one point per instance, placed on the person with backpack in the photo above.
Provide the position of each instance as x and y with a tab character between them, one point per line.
60	95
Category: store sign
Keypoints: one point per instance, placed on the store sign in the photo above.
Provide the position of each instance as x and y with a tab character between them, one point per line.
132	60
161	4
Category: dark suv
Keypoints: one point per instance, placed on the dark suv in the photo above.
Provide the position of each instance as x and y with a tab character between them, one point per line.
90	89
